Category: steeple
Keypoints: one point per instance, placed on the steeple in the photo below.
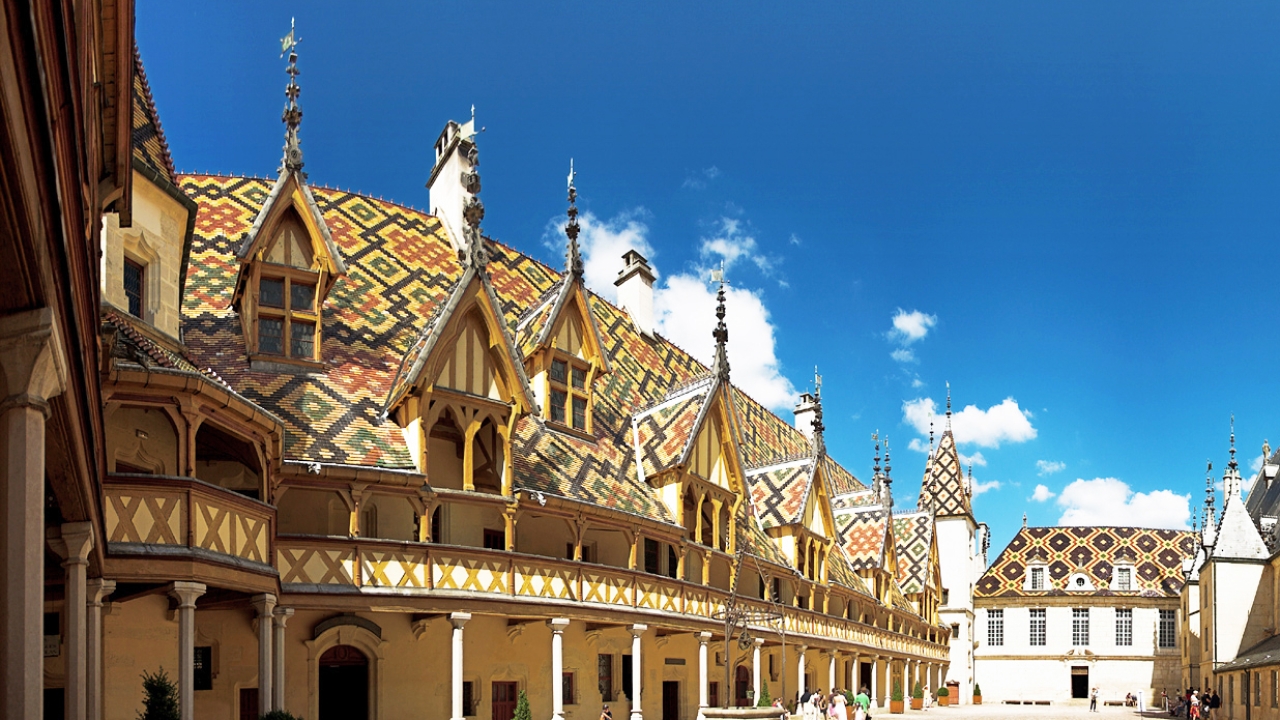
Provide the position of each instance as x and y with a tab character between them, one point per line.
875	470
1236	537
292	116
720	365
945	489
1209	517
887	496
573	258
948	408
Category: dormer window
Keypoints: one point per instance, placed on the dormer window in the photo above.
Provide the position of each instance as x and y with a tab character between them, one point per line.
288	321
135	285
1037	578
1124	578
570	397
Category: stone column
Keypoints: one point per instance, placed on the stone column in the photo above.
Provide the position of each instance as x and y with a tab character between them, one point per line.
32	370
281	617
265	604
881	676
636	632
755	667
98	589
831	673
73	545
703	639
458	619
800	688
557	666
186	593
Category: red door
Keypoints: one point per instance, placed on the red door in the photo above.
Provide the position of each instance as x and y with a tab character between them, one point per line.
741	682
248	703
504	700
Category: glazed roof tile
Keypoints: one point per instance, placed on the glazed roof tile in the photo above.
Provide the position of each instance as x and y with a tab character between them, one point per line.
913	538
944	487
149	144
1156	554
779	491
862	534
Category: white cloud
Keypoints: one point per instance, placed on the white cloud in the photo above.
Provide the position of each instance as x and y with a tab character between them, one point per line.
1049	467
909	327
794	239
980	487
974	459
988	428
1256	465
698	180
1042	493
730	243
1109	501
903	355
917	383
602	243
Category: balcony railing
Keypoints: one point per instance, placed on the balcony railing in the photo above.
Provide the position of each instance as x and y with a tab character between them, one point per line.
160	510
308	563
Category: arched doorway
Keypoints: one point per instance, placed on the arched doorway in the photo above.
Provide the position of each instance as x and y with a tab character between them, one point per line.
344	684
741	683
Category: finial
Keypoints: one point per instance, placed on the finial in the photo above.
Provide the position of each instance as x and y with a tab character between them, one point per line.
948	406
1231	464
930	435
888	469
1208	494
292	116
721	333
573	258
875	436
819	443
1024	519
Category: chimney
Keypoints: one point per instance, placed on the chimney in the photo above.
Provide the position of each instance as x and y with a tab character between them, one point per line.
454	179
635	290
805	411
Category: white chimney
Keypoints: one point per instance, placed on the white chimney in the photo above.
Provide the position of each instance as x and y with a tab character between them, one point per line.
805	411
635	291
454	179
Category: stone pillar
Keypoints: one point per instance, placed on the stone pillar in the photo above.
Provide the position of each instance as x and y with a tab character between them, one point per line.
98	589
186	593
458	619
881	675
755	667
73	546
281	617
831	672
557	666
32	370
265	604
703	639
800	688
636	632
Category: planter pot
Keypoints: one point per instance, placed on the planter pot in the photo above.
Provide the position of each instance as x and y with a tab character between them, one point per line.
917	703
895	707
944	700
977	699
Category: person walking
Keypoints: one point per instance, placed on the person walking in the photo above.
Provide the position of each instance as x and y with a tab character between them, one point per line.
1093	700
862	704
1215	702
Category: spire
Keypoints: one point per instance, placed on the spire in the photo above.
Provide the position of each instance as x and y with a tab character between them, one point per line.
573	259
1231	464
930	435
887	497
948	407
1209	513
721	363
819	443
1234	535
292	116
875	470
968	487
473	253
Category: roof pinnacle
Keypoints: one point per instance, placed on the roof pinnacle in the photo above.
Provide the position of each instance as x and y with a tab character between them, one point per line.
819	444
721	363
948	407
292	116
573	258
1231	464
1208	495
875	436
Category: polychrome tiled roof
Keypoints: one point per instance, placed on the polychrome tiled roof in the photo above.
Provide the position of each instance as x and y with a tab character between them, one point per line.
779	491
840	571
149	144
1156	554
133	344
913	538
944	487
862	534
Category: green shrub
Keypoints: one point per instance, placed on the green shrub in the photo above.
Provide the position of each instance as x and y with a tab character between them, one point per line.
764	700
977	689
848	698
159	697
522	707
278	715
943	691
896	695
917	692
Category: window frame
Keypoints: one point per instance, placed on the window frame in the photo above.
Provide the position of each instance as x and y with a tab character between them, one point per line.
1167	630
995	628
141	267
289	275
1039	624
1037	579
605	660
572	362
568	688
1080	627
1124	627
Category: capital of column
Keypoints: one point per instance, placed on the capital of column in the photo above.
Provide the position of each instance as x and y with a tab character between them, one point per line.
637	630
703	637
281	616
186	593
265	604
34	368
459	619
758	641
558	625
98	589
73	543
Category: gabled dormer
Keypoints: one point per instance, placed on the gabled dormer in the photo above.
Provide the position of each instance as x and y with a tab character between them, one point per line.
560	343
288	262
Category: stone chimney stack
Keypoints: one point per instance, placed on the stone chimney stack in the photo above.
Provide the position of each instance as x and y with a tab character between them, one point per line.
454	179
805	411
635	291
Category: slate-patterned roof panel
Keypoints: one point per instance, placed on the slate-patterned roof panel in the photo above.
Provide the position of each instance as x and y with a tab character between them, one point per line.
913	538
840	571
663	433
862	535
779	491
1157	559
149	144
944	483
839	480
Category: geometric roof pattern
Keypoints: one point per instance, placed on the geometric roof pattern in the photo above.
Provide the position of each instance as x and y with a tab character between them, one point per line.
779	491
913	538
944	488
1156	555
149	144
664	433
862	534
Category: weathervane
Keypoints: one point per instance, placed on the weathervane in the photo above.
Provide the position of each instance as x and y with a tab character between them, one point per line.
573	258
292	116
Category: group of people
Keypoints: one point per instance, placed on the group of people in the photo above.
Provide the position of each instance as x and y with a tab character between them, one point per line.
1197	705
817	705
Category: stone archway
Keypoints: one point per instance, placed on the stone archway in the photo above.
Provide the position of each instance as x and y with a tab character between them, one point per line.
344	684
358	638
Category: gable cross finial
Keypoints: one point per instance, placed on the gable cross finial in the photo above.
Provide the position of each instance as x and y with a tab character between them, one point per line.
1231	464
1024	519
292	116
1208	494
721	363
888	477
819	443
875	470
573	257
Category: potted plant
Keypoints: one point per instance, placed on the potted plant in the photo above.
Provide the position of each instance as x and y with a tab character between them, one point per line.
895	698
764	700
917	697
944	696
977	694
159	697
522	707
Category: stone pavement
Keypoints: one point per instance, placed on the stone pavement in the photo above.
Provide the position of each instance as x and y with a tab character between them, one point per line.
987	711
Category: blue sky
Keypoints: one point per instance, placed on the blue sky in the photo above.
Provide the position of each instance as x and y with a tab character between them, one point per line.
1069	209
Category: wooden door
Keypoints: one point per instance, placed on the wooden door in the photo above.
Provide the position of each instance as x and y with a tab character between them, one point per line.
670	700
248	704
504	700
741	683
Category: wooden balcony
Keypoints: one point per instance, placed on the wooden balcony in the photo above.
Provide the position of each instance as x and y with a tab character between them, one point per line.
322	564
159	519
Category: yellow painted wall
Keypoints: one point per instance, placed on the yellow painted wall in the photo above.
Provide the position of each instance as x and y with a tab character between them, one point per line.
303	511
157	451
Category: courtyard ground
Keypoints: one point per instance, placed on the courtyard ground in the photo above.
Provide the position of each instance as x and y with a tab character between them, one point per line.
1070	711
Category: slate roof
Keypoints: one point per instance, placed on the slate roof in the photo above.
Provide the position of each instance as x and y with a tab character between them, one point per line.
1157	557
913	538
149	144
